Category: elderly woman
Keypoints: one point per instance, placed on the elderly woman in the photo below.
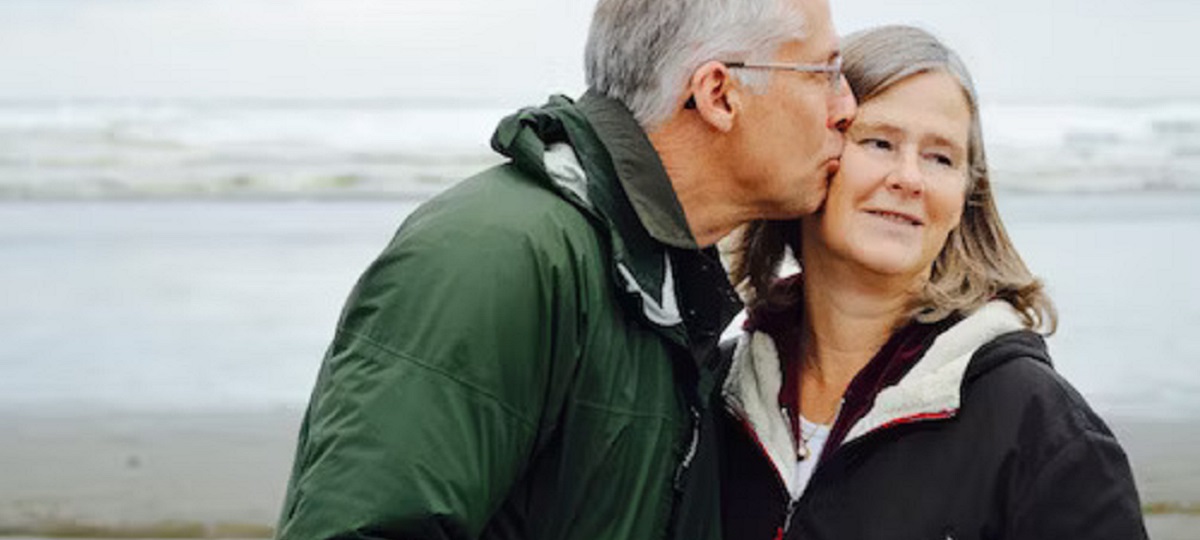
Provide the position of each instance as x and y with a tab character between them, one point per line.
897	387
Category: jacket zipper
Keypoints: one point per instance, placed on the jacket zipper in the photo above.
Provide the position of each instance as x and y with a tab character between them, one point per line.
787	520
779	481
691	451
791	505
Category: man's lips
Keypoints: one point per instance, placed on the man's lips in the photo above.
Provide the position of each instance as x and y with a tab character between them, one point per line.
897	216
833	165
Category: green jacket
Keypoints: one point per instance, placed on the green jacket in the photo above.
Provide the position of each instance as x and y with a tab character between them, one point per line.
530	357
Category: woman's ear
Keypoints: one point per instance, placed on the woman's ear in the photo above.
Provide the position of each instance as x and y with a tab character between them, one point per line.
715	95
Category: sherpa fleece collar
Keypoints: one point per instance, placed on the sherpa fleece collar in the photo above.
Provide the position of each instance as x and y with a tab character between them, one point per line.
930	390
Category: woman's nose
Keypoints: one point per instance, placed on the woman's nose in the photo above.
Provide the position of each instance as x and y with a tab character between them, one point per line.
906	177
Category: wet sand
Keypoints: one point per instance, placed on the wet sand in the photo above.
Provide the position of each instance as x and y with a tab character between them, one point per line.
1166	460
209	473
223	474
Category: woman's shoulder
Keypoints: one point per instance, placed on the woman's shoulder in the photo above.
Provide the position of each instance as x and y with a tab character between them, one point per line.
1013	376
1071	474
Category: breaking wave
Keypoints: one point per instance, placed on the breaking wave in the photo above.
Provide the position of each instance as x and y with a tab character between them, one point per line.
102	149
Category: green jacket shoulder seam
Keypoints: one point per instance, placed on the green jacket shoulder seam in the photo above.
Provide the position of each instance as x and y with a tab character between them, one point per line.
397	355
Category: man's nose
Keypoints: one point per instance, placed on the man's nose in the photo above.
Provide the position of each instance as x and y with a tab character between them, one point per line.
842	108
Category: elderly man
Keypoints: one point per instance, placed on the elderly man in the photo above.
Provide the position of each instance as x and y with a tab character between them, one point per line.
532	356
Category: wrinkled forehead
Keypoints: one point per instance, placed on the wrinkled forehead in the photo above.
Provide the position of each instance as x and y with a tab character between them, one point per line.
930	106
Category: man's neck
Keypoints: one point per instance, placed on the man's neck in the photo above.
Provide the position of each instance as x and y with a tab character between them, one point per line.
701	183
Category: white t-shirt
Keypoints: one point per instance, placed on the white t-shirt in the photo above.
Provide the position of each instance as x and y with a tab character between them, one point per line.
814	436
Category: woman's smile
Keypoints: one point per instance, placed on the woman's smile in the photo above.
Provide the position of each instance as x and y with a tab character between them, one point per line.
902	182
896	217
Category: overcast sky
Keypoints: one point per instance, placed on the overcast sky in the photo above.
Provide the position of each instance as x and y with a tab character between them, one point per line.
504	51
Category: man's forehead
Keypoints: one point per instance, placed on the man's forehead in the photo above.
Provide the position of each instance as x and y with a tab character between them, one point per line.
816	48
819	40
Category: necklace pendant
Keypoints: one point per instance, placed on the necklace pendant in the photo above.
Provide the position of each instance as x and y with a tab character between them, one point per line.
802	452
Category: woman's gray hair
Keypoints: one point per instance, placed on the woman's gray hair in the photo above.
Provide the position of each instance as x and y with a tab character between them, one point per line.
878	58
642	52
978	262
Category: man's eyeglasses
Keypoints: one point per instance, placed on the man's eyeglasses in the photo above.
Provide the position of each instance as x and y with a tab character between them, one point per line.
832	70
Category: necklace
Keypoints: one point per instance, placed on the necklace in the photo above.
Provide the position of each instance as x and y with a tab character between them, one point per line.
802	451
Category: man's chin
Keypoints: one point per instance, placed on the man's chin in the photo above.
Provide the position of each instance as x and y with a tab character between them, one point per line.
831	170
815	202
808	206
820	208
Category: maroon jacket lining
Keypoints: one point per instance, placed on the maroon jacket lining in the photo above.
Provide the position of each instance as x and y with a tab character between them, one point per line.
894	360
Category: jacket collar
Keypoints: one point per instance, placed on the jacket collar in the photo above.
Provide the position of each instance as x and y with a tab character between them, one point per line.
639	169
706	300
561	144
932	389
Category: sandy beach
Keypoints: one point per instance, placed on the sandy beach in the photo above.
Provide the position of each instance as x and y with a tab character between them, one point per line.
222	474
1167	471
218	474
1165	460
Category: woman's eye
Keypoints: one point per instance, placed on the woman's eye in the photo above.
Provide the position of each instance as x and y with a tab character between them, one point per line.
943	160
878	144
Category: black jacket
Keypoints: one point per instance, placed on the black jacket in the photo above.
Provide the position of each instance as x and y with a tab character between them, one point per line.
1013	453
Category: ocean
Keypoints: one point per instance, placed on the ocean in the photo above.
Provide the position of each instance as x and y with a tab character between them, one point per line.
356	149
228	305
193	256
252	148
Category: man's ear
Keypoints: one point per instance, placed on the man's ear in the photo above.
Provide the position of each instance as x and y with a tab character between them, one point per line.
715	95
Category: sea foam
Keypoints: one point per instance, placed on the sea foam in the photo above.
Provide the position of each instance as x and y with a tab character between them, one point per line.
101	149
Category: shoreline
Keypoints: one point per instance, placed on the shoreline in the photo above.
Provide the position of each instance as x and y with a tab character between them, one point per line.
422	189
222	474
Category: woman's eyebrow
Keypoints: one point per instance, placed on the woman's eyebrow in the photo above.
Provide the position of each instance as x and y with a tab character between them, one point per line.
948	142
876	126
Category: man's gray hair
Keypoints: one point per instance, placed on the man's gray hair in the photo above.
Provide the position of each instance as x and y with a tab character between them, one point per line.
642	52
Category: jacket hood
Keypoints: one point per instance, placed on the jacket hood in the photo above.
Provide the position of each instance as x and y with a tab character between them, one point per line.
1006	348
529	134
